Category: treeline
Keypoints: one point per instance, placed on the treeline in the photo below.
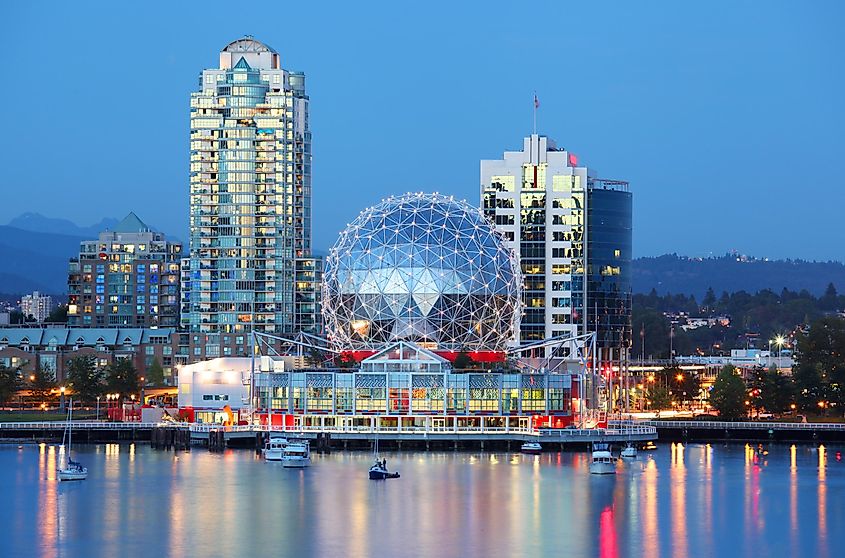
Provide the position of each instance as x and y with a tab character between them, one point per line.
816	385
84	378
671	273
755	319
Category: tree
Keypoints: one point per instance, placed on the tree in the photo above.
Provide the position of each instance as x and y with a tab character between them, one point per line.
155	374
10	382
728	394
122	378
85	377
658	398
345	360
809	389
821	362
771	390
58	314
686	386
463	360
829	301
709	302
42	383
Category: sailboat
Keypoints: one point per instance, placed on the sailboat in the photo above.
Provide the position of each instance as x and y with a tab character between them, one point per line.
378	471
70	470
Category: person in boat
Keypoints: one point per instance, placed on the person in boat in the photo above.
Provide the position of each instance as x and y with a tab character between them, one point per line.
384	464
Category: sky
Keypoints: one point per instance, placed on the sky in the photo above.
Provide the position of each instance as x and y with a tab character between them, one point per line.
726	117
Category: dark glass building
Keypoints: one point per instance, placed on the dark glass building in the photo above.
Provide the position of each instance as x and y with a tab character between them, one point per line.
609	242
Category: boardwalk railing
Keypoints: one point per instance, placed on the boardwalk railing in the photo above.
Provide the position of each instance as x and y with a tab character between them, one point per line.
614	429
717	425
87	425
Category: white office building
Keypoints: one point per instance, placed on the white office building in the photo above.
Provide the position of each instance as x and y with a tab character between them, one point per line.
572	232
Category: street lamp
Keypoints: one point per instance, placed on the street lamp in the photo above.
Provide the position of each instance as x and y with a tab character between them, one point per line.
62	399
780	341
98	407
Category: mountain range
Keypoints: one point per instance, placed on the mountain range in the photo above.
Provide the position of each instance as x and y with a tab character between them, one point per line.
36	222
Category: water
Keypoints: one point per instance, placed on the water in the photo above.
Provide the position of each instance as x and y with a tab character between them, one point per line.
697	500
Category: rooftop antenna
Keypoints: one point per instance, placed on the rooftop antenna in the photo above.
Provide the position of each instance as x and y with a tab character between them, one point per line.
536	106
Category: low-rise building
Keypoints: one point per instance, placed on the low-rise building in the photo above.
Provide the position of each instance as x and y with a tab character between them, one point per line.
400	382
51	348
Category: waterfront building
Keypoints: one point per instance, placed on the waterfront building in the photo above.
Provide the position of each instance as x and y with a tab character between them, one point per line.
129	277
50	348
250	199
36	305
401	382
572	232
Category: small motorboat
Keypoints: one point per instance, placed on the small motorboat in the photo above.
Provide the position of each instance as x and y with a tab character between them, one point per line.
296	455
603	462
274	449
629	451
379	471
531	448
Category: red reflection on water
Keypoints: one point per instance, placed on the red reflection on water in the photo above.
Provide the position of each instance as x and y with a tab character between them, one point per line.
607	534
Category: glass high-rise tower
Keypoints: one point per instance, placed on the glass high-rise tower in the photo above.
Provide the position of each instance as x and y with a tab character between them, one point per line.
250	223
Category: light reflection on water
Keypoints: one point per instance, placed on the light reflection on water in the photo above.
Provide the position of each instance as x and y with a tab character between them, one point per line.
695	500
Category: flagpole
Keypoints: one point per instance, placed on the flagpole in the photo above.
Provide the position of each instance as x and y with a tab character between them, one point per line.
534	132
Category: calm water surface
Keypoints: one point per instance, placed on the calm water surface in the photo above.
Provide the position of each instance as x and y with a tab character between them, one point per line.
697	500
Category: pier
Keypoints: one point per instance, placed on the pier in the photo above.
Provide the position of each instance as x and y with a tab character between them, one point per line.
698	430
442	434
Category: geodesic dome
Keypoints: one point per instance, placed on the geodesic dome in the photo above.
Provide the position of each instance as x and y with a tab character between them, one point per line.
423	268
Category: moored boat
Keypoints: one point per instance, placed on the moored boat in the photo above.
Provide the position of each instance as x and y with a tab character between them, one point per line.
531	448
602	461
296	455
71	470
274	448
629	451
379	471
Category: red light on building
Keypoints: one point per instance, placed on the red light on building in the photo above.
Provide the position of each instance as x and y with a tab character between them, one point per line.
573	160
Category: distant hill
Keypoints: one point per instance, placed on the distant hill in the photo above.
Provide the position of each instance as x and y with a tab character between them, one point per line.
34	260
678	274
39	223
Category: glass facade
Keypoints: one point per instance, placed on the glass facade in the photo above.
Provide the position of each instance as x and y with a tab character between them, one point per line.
424	268
410	393
609	268
250	195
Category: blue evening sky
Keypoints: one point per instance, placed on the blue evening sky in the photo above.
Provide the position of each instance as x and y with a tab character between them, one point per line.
726	116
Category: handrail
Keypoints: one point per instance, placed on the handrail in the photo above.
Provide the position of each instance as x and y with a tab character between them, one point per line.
61	425
627	430
705	424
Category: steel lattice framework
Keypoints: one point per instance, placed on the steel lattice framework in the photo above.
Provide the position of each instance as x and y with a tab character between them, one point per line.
424	268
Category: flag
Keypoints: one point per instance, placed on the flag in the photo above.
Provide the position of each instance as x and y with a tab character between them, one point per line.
536	101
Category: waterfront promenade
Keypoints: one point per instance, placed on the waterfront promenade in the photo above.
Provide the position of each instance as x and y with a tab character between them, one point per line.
430	431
